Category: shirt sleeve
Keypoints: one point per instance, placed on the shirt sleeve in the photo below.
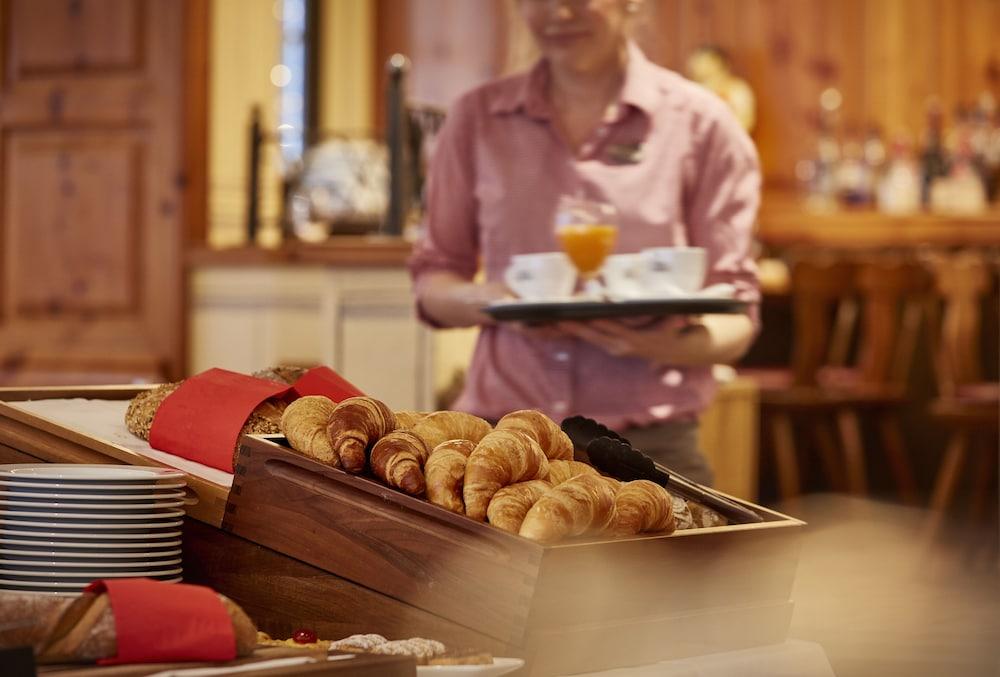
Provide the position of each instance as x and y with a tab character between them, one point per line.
449	239
722	205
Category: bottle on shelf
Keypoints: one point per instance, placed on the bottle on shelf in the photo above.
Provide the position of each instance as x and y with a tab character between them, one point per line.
934	159
899	189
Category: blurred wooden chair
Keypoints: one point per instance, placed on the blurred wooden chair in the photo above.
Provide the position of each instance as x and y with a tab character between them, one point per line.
967	405
877	305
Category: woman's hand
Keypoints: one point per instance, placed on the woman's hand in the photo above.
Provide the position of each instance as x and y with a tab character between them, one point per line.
456	302
675	340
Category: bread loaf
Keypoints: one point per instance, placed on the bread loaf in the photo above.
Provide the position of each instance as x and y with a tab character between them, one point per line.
82	629
501	458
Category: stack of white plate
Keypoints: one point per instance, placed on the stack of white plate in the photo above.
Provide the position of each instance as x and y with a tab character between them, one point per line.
63	526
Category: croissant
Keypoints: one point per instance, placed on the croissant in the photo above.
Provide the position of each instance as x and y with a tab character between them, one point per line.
642	506
304	426
501	458
442	426
398	459
560	471
509	505
407	419
356	424
581	505
445	474
550	437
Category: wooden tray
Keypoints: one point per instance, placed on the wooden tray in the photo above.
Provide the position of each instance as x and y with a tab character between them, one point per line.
584	605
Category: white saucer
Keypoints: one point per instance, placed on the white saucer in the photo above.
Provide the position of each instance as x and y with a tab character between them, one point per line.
9	506
90	496
46	586
72	536
27	566
7	554
84	546
67	528
83	472
87	487
37	577
89	514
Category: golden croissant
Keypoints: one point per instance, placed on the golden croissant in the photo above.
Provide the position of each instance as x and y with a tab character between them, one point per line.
501	458
560	471
442	426
444	473
355	425
550	437
582	505
398	460
642	506
509	505
304	426
406	419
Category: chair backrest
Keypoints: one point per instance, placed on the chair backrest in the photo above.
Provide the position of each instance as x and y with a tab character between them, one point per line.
824	309
961	281
894	291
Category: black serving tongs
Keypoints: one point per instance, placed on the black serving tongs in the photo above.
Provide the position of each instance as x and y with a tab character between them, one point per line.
611	453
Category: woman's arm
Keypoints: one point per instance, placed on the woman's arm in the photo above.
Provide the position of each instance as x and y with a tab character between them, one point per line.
710	339
450	300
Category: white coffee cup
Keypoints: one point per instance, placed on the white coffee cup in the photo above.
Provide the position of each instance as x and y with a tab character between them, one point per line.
622	276
541	277
672	271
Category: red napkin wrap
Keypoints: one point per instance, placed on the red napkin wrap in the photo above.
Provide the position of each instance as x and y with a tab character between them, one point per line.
202	419
327	382
158	622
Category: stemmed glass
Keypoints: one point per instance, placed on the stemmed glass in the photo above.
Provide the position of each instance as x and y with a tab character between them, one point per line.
587	230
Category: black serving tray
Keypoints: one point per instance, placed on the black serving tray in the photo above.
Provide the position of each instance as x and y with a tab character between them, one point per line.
537	312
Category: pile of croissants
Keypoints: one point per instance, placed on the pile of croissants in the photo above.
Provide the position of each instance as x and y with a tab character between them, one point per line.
518	476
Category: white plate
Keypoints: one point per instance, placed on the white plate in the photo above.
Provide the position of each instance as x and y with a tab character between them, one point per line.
82	472
36	577
48	555
83	546
9	506
85	497
88	487
63	527
37	567
73	536
49	593
500	666
86	515
46	586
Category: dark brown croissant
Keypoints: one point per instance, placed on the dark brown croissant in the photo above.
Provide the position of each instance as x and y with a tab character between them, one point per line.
355	425
550	437
501	458
398	459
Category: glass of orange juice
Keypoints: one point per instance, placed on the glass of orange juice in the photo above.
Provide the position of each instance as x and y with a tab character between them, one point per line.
587	230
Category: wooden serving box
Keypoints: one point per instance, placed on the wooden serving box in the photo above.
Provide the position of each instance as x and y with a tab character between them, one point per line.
301	544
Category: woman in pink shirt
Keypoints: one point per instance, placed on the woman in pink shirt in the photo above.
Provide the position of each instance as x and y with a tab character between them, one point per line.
592	118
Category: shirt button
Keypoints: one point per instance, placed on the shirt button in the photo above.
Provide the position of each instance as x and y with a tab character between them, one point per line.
587	148
561	356
602	132
559	406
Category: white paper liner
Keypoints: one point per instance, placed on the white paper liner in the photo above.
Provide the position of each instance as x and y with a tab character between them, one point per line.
105	420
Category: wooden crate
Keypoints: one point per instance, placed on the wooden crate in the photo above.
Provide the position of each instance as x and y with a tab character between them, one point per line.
305	545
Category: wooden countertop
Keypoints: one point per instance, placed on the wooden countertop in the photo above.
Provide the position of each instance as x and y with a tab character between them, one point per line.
361	251
786	221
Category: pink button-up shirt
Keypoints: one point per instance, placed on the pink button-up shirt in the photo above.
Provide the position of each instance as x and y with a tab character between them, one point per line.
678	168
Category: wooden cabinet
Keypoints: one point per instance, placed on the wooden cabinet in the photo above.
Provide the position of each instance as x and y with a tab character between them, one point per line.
96	185
360	321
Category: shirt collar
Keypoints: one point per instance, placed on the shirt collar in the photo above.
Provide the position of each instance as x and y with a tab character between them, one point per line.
641	88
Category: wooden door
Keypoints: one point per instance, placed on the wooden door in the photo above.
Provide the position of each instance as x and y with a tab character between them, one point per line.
95	187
